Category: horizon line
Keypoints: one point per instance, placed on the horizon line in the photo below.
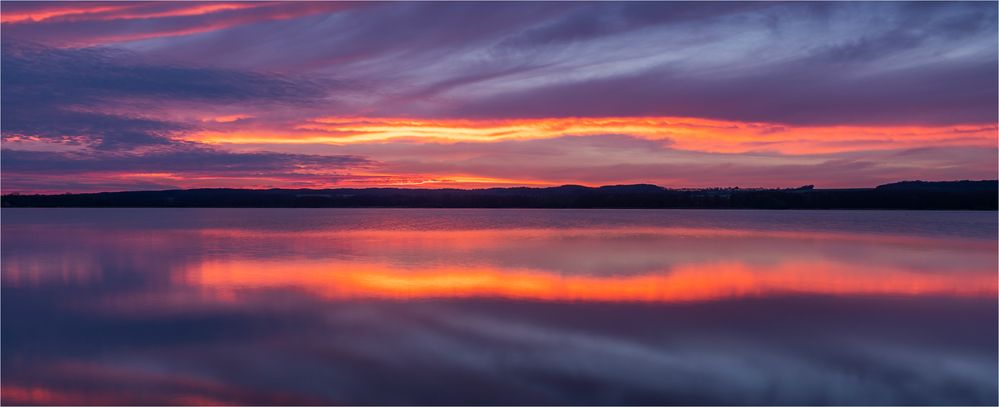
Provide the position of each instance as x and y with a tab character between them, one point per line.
800	187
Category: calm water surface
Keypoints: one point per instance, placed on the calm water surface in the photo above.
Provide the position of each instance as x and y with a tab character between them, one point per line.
393	306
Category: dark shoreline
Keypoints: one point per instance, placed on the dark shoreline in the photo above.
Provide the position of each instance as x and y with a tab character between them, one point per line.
909	195
504	207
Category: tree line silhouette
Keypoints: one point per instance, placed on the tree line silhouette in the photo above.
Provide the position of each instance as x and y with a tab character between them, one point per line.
955	195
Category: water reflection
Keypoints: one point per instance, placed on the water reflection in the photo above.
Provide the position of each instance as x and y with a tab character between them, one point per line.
511	307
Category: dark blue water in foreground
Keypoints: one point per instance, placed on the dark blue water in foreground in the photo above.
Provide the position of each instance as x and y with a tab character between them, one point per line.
479	306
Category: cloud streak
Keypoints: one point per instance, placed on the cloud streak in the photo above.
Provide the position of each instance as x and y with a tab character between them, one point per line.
78	25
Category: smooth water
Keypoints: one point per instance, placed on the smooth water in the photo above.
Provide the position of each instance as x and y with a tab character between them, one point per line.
422	306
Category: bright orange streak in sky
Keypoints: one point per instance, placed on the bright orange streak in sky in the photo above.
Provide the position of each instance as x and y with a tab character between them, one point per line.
684	133
111	12
39	15
346	280
135	12
186	11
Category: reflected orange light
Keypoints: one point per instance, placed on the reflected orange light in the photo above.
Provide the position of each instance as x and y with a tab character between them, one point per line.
692	282
477	239
34	395
684	133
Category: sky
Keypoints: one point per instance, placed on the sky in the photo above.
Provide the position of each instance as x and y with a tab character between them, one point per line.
109	96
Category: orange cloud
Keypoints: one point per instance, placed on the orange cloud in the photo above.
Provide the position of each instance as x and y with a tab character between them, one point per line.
684	133
191	10
121	11
226	118
217	16
78	9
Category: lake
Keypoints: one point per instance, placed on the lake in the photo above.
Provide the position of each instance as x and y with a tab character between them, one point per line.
493	306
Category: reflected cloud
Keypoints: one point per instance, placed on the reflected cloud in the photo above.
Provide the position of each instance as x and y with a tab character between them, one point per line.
706	281
533	307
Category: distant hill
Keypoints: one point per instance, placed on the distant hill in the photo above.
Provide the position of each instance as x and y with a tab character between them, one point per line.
943	185
956	195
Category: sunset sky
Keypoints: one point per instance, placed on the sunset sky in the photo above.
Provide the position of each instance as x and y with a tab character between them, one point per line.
138	96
